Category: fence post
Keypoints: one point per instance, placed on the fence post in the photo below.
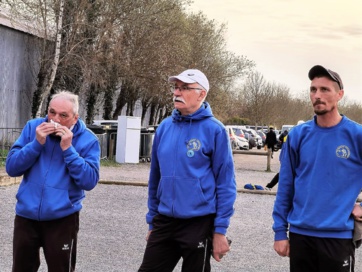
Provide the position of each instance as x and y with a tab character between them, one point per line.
268	169
112	145
266	153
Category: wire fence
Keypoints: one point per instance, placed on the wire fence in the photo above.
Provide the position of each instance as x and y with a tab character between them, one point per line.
107	141
8	137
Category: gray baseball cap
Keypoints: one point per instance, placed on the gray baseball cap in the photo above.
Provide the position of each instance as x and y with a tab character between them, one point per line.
318	70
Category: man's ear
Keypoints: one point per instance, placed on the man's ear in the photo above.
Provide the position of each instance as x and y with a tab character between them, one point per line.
341	94
76	119
203	95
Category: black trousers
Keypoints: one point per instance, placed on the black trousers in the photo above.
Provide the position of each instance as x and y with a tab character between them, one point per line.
58	238
172	239
314	254
273	182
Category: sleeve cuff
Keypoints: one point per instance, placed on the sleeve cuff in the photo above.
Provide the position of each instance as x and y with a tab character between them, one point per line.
220	230
280	236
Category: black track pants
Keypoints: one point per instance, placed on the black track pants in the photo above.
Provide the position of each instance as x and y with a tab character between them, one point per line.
57	237
273	182
315	254
172	239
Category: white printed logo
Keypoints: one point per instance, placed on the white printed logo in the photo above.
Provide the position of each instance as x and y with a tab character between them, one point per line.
65	247
201	244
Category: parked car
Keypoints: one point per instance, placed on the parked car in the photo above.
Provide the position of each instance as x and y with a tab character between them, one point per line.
258	140
250	138
262	135
238	132
244	143
236	141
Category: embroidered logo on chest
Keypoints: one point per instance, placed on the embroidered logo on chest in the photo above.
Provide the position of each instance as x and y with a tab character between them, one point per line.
194	144
343	152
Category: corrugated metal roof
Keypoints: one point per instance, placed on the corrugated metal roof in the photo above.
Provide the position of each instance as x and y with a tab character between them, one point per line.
18	24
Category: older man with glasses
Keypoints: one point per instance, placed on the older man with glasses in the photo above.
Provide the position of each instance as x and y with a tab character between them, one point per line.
192	186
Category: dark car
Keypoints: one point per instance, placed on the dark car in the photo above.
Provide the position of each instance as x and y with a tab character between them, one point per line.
251	139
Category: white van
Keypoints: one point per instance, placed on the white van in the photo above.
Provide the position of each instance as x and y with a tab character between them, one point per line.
286	127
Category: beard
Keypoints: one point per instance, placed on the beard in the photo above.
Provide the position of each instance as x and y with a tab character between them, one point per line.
324	111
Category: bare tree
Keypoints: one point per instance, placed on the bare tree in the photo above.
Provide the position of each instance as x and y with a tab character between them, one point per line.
258	95
149	43
116	53
207	51
352	110
45	86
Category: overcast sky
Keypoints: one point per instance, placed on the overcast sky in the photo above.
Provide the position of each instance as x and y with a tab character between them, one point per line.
285	38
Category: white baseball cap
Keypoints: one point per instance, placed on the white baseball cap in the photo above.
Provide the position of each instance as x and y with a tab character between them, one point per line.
192	76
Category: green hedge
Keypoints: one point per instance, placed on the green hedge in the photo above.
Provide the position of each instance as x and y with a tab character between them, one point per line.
237	121
3	154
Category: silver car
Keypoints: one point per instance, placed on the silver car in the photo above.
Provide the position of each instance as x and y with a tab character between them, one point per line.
236	141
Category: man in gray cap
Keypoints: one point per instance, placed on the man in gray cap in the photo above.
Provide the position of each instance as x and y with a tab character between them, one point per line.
320	179
192	188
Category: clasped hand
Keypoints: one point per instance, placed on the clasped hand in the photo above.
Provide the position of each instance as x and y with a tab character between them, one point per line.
357	212
47	128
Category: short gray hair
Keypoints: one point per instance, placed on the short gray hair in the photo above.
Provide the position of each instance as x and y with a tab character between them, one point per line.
73	98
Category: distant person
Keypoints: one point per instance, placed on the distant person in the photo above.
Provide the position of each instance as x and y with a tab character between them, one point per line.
58	158
192	188
275	179
319	182
271	140
283	136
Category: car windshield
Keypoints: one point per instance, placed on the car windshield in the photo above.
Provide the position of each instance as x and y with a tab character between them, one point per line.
246	134
252	132
238	132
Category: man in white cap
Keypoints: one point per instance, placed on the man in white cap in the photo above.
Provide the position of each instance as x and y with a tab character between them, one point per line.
192	188
319	182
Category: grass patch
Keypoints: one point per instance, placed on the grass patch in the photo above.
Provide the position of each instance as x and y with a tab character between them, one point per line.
109	163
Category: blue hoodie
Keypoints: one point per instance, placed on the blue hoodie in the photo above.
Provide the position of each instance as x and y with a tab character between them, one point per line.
53	180
192	169
320	180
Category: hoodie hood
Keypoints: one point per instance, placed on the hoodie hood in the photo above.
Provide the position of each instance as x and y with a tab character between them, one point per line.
203	112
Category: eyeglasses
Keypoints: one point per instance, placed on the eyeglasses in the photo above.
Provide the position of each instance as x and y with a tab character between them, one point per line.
183	88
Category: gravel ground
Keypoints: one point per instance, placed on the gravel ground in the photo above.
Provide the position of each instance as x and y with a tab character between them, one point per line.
113	229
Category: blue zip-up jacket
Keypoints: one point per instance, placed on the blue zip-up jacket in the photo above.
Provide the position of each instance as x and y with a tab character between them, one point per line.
192	169
320	180
54	180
